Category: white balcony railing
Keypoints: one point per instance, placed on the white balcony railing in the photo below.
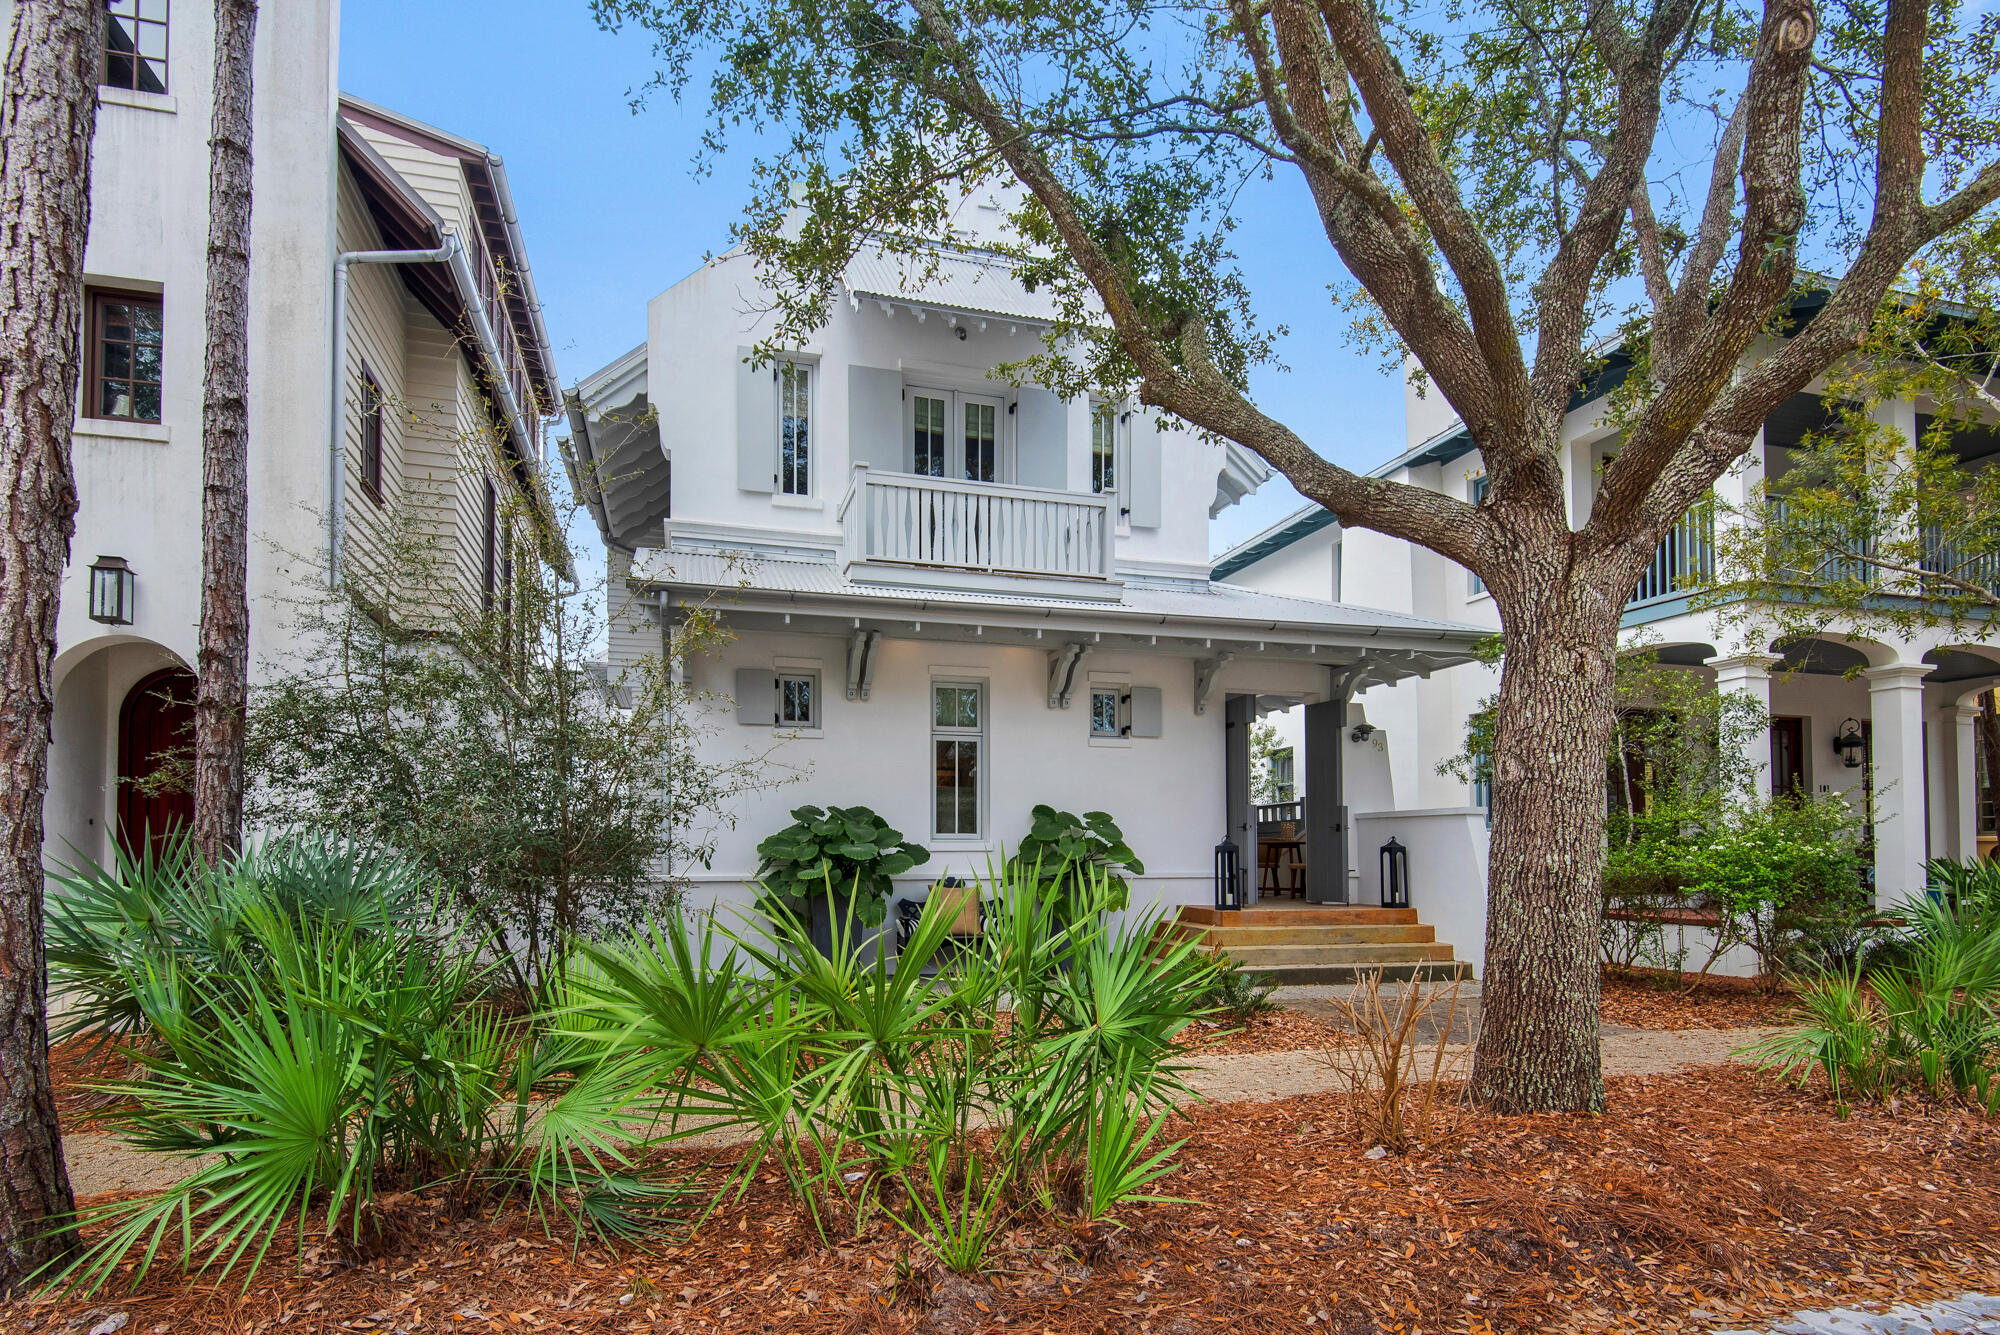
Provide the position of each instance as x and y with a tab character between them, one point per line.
905	519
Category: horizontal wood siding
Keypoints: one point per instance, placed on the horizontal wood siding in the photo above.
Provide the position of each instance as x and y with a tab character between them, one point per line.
439	180
634	630
376	301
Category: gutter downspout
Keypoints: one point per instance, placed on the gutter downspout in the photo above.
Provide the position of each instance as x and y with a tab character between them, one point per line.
336	477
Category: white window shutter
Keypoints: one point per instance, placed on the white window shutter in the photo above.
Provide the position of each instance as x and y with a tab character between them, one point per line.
756	697
875	417
1041	435
756	425
1146	712
1142	487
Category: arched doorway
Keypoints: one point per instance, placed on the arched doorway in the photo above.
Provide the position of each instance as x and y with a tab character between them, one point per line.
155	734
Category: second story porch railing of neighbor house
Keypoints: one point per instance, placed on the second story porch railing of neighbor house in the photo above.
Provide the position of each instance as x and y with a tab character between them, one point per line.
1685	559
1949	558
908	519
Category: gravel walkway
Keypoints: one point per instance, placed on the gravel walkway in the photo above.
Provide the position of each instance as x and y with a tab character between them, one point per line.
1967	1314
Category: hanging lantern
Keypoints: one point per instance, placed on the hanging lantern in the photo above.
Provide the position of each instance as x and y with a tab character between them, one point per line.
1228	875
1849	744
111	588
1395	875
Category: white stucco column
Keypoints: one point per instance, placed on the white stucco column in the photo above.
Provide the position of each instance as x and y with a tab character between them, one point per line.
1962	816
1749	675
1896	708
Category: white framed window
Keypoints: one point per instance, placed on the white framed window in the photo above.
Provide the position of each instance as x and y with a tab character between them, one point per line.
954	434
795	699
1104	470
958	754
795	443
1475	493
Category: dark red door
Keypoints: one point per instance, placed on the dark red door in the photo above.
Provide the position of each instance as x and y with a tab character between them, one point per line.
156	742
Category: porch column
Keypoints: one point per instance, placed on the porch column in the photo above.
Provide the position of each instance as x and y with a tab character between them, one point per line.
1962	816
1896	709
1749	675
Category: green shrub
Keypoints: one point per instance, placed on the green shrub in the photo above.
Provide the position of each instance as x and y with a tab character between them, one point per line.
1783	878
1067	851
876	1086
845	851
1237	993
314	1033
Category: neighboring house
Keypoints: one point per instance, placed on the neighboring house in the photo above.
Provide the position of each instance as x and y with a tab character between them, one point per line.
1891	724
445	374
952	598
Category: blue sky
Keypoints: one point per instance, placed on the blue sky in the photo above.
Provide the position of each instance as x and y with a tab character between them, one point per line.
613	216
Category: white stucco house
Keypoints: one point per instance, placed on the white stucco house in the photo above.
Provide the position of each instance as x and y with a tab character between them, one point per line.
397	357
952	598
1889	723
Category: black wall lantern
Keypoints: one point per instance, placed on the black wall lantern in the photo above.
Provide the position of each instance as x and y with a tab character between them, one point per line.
1395	875
1849	744
1228	875
111	582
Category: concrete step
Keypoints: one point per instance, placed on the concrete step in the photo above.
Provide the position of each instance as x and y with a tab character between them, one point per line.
1331	915
1430	971
1236	938
1260	959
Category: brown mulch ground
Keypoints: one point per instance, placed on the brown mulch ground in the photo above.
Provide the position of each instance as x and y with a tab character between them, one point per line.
1655	999
1275	1031
78	1065
1702	1199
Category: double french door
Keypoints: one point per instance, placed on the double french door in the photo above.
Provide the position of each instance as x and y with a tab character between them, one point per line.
954	435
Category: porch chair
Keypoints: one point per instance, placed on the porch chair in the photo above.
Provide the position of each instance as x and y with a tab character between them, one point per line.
962	902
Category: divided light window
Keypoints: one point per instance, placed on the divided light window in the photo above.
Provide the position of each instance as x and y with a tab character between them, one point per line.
794	429
124	362
135	45
957	738
927	435
1103	449
371	434
1105	720
797	700
1284	779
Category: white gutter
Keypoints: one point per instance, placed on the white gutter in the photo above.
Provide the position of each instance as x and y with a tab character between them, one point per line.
336	477
503	195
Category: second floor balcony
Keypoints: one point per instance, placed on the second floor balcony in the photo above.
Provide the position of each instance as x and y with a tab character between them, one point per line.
913	521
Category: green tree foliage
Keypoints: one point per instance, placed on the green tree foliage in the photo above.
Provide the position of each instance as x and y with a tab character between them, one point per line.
1862	529
481	737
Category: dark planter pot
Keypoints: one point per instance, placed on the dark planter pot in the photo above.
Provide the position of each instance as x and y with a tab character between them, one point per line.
828	909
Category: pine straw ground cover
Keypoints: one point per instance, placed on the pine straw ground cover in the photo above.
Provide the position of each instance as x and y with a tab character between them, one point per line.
1658	999
1702	1199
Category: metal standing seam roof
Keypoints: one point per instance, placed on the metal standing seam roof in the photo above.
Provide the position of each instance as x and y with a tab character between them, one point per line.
977	282
1139	600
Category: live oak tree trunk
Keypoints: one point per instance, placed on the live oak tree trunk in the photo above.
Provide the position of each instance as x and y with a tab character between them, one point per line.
48	113
1538	1048
223	659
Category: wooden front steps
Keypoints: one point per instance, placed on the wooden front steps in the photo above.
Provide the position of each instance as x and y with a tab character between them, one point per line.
1324	944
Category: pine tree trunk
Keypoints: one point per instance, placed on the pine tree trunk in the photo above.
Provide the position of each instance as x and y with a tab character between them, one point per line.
48	114
1538	1049
223	660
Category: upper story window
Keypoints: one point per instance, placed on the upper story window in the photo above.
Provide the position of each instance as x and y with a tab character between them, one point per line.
123	376
1103	449
489	574
371	434
927	433
1476	493
1108	715
797	699
794	429
1283	776
135	45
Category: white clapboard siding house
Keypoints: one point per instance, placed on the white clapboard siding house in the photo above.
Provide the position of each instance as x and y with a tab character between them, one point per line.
952	598
1891	723
444	379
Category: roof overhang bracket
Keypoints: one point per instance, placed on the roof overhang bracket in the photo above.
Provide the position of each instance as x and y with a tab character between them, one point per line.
1206	670
861	663
1062	673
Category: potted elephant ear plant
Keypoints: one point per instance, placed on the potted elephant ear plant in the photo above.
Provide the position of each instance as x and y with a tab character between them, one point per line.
835	865
1078	858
